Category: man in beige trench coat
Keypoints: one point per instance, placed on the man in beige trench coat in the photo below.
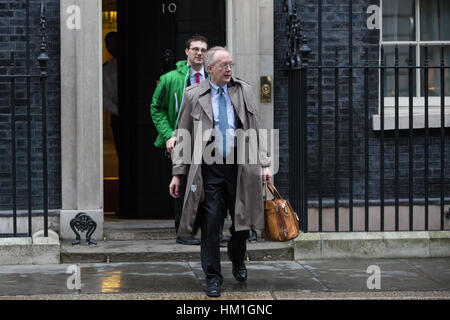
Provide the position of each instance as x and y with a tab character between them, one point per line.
227	106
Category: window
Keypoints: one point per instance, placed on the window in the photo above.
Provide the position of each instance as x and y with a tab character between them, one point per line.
418	23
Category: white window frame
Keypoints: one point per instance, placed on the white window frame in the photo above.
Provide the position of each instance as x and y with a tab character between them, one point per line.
434	102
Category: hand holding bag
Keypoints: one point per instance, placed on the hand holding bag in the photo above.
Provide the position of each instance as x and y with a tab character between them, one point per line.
281	222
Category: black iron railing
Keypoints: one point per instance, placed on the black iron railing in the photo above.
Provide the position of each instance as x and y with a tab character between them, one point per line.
13	79
316	185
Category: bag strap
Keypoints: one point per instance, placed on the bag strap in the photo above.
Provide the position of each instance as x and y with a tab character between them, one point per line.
276	191
265	190
272	190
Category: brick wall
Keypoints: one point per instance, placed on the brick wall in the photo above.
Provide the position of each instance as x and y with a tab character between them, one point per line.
336	33
13	36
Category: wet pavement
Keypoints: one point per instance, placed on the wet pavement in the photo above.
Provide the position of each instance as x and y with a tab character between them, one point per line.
325	279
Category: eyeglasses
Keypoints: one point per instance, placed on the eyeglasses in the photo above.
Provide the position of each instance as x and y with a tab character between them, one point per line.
202	50
225	65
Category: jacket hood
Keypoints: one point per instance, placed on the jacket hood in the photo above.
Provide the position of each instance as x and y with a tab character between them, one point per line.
182	66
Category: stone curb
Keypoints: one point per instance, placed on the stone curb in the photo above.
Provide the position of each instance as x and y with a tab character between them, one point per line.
163	250
364	245
35	250
249	295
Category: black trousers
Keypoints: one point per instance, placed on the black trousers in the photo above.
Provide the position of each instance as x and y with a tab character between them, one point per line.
220	194
178	205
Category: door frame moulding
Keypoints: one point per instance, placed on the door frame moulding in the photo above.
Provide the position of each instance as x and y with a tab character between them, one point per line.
81	113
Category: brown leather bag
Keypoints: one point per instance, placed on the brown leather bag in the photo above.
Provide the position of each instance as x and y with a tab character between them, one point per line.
281	222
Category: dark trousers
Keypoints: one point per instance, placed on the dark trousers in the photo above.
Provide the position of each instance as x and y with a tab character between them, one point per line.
220	194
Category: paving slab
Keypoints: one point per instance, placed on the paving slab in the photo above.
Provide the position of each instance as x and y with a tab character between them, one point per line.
136	278
268	275
34	279
353	275
437	269
99	278
378	295
195	295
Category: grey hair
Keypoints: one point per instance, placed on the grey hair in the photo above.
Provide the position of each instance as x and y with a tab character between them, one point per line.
210	58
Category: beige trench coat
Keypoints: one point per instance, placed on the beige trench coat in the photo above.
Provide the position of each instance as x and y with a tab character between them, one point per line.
197	109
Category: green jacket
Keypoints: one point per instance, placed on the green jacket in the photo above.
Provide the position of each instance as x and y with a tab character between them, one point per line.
167	100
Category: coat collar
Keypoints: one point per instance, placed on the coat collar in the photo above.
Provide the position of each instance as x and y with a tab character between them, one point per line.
205	98
233	92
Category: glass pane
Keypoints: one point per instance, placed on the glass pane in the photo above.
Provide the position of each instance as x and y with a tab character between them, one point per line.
434	75
389	75
435	20
399	20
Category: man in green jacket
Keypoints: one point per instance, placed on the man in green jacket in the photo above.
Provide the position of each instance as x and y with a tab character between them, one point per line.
166	105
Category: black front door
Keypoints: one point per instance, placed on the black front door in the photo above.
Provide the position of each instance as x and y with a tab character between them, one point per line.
147	29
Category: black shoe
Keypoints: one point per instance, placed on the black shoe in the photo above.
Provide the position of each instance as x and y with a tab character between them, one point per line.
240	272
239	269
188	241
224	238
213	289
253	236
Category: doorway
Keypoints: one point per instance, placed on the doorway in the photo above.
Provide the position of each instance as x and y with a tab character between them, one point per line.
110	157
152	39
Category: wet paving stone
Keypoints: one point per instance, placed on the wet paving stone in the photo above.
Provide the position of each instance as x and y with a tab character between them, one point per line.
281	275
266	279
353	275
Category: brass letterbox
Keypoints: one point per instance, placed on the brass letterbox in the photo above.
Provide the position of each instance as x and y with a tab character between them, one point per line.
266	89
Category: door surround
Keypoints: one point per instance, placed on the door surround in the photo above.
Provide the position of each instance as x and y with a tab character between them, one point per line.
81	113
81	93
